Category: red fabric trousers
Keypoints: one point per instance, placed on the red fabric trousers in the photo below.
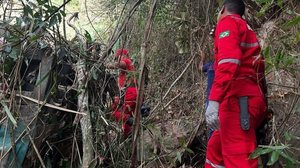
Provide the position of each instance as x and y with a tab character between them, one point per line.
127	109
230	146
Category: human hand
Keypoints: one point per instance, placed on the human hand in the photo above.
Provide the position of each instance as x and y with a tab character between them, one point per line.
211	115
109	66
130	121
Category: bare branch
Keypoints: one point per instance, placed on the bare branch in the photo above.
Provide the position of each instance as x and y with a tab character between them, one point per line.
121	29
141	83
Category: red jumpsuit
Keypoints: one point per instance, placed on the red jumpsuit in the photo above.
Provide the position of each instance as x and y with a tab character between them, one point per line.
126	82
239	69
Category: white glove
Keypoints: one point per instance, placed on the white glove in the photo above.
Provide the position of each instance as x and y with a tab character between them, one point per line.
211	114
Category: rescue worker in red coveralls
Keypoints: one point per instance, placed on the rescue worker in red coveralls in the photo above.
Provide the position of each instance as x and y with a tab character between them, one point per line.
236	103
124	106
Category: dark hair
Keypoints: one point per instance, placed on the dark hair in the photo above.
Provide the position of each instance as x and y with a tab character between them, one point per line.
235	6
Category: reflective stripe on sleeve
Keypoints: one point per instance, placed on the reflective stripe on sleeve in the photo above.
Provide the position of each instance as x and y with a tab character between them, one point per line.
213	165
229	60
249	45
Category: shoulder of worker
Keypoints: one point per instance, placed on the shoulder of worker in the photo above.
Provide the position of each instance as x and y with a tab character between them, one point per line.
126	63
232	23
232	19
126	60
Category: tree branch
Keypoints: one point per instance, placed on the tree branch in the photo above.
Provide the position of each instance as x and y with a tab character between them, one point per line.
141	83
82	102
121	30
37	27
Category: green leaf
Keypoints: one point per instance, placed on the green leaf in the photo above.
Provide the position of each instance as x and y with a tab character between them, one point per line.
94	74
262	1
266	52
277	147
8	65
42	24
287	157
264	8
280	3
88	36
63	13
298	36
14	54
59	18
260	151
178	156
189	150
287	136
293	22
37	15
274	158
42	2
8	113
47	7
182	142
53	8
289	164
53	21
28	10
32	4
19	20
298	108
8	48
34	38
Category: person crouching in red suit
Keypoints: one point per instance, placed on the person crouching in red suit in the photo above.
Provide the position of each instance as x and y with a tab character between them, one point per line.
124	106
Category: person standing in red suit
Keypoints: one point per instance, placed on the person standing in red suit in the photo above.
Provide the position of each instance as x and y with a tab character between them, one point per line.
236	103
124	106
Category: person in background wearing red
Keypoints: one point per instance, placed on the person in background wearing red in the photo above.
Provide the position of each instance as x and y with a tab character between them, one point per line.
236	104
124	106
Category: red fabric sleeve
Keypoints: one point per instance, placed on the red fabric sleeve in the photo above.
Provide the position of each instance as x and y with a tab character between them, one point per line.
228	57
